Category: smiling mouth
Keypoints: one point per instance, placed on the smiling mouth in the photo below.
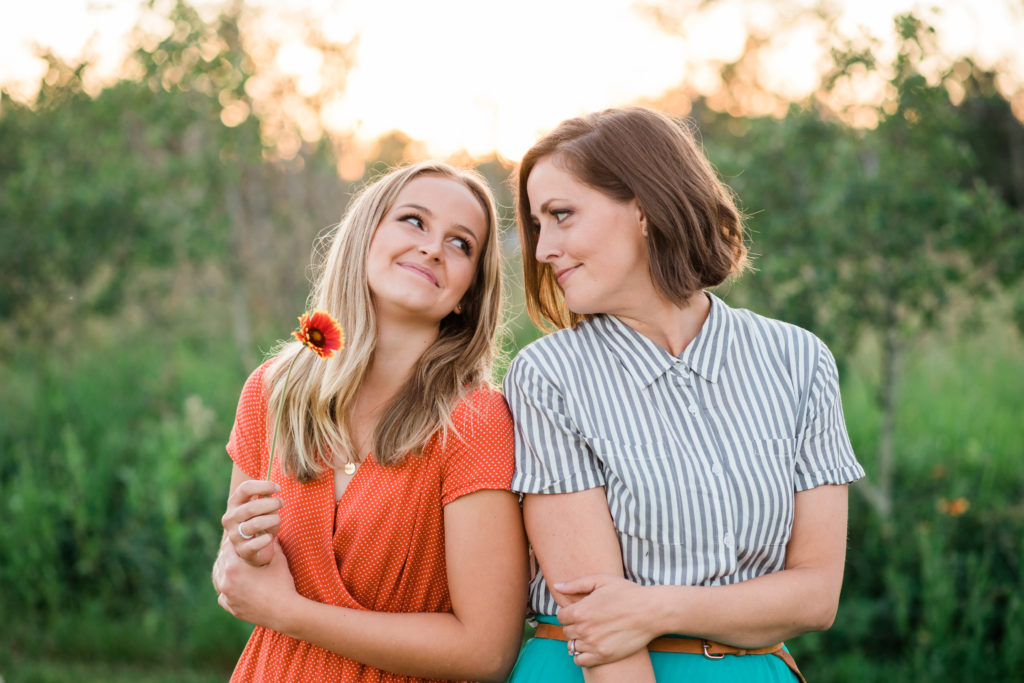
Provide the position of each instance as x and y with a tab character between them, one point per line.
563	274
421	271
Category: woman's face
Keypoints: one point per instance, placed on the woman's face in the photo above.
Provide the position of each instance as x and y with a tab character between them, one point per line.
593	243
425	251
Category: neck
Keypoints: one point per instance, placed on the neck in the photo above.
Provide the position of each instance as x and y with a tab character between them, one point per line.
670	326
395	354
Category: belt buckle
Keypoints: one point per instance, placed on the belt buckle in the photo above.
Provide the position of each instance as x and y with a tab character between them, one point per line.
707	651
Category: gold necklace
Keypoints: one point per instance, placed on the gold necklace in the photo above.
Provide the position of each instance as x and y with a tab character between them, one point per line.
350	468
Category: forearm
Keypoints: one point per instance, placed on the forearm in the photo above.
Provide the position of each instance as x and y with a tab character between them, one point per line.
427	645
635	668
802	597
749	614
478	640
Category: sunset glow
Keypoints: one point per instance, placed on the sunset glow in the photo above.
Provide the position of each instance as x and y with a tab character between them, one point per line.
465	75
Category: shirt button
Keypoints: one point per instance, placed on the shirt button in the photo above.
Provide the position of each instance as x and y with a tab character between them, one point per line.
692	408
716	468
727	540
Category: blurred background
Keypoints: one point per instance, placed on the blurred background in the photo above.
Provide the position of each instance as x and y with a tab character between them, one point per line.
165	168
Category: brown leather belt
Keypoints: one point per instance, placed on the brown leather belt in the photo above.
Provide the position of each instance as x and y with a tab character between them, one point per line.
693	646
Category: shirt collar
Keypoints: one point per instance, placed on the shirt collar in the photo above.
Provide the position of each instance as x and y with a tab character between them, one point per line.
647	361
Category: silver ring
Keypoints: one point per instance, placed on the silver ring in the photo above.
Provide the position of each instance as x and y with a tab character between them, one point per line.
243	534
572	648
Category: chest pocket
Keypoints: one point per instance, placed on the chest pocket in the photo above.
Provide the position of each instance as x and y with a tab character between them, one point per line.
636	476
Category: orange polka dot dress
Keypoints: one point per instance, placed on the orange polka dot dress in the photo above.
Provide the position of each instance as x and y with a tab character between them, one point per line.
381	547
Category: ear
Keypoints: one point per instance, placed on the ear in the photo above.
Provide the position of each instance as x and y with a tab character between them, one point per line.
641	219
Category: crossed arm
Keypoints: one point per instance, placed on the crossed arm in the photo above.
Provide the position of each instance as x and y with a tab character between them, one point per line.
612	619
487	576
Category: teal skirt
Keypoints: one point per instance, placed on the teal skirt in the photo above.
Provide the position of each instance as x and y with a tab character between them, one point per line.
543	660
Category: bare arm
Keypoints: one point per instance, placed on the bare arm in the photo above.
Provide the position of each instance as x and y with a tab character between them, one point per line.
572	534
802	597
487	576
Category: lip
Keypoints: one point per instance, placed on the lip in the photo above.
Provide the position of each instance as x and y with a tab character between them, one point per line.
563	274
423	272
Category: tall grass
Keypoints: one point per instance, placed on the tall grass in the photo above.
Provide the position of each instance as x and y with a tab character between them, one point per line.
113	477
935	593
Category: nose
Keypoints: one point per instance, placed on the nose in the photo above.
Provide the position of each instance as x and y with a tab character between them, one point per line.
548	246
432	247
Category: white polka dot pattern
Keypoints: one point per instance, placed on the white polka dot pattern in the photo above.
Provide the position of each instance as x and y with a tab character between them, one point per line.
381	547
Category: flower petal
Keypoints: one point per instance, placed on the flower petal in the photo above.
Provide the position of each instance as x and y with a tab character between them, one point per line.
320	332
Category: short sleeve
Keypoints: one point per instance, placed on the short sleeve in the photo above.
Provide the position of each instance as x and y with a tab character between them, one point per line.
247	444
480	455
551	454
824	452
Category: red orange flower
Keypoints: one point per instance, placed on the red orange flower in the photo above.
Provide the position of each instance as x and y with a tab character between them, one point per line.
320	332
955	507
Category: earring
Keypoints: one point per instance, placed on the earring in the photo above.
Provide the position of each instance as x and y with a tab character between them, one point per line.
458	309
643	229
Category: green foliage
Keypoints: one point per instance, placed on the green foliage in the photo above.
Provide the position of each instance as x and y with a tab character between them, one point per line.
935	594
890	231
151	251
112	473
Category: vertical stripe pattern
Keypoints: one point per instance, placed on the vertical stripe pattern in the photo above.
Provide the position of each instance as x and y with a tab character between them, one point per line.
700	455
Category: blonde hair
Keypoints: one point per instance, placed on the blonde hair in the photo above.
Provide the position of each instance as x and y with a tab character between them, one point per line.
314	427
696	233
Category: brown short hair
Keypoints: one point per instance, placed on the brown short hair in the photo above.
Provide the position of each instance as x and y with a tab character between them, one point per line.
695	231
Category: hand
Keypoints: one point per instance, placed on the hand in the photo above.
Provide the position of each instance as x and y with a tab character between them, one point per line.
609	623
254	594
251	505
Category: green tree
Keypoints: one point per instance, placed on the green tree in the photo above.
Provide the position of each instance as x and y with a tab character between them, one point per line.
153	231
883	232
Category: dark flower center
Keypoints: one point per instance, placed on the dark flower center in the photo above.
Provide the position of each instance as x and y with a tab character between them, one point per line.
316	337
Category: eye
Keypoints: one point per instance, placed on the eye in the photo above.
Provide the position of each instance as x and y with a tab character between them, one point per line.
463	245
560	214
413	219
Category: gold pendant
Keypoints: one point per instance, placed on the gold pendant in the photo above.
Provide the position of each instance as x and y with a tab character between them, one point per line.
350	468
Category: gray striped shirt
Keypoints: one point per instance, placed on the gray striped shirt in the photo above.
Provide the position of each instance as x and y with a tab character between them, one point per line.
700	455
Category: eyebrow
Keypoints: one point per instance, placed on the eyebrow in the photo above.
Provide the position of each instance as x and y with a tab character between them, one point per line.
545	205
461	228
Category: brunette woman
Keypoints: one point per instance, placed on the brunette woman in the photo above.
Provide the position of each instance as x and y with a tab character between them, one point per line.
684	463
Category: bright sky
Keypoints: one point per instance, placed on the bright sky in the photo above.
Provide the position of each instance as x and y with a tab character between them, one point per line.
481	75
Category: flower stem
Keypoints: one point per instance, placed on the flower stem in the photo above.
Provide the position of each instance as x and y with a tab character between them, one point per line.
280	405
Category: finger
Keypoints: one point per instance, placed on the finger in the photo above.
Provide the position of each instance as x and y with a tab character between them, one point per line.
262	556
258	526
259	516
584	584
257	507
222	600
217	575
257	551
584	659
253	488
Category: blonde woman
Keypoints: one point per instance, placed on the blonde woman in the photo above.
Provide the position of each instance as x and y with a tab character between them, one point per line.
387	545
